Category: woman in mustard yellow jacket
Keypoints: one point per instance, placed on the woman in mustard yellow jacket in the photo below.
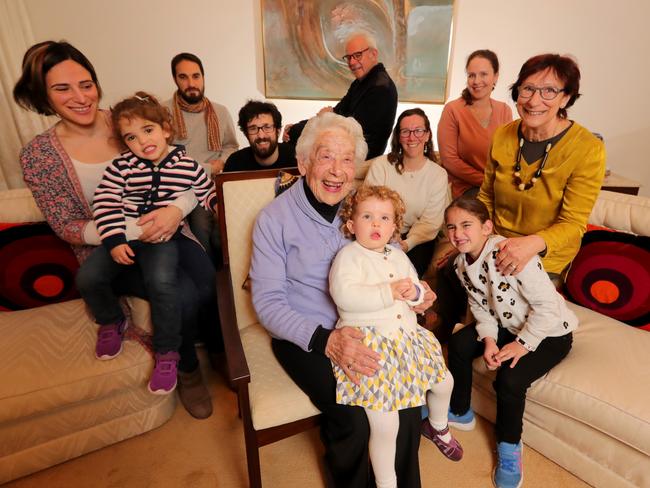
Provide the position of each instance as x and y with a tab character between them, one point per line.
544	171
543	175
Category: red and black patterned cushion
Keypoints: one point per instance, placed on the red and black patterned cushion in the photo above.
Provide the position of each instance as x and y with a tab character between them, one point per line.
36	267
611	275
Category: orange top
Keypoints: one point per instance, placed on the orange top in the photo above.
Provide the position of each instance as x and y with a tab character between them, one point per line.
464	143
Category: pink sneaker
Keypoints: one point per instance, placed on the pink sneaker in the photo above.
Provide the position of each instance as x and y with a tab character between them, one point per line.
451	450
163	378
109	340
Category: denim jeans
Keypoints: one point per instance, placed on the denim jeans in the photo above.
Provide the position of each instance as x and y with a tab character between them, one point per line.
158	264
195	292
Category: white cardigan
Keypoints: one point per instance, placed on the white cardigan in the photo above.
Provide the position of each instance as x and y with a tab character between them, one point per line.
527	304
360	286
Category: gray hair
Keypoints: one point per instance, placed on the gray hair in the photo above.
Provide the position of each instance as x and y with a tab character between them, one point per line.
367	36
328	121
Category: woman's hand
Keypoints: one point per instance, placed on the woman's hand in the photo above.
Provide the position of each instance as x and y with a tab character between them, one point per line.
513	350
346	349
515	252
285	133
160	225
404	245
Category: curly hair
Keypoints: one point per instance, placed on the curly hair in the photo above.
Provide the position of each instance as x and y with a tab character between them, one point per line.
144	106
364	192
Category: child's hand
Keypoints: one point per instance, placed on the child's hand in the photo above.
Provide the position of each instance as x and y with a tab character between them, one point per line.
490	354
123	254
411	292
400	288
513	350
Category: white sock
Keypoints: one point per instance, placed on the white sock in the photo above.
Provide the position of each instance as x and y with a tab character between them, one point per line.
438	404
382	446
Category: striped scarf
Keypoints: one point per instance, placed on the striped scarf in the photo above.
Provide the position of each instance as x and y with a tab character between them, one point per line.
211	121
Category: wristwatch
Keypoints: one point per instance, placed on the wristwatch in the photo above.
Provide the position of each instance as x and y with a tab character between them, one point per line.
523	343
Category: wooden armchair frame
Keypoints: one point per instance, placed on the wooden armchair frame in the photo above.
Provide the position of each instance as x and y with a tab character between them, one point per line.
238	368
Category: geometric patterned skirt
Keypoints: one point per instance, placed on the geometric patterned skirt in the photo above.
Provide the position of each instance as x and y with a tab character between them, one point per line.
410	364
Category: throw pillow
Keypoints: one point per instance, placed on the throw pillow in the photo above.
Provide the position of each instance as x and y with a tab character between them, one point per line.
36	267
610	275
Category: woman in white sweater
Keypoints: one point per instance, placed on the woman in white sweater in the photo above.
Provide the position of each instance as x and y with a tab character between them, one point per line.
411	170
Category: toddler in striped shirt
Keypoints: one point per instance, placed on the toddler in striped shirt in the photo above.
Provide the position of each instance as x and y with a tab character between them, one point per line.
151	174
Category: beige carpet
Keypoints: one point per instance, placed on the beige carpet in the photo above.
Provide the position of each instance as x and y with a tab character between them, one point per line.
205	454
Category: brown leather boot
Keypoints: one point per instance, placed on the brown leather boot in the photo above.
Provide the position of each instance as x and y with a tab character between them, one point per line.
194	395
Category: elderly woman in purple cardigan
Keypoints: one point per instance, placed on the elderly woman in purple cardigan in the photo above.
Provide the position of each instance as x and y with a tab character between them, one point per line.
295	240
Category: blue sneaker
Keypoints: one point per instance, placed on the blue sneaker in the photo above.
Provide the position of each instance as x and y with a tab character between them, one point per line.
509	472
462	422
424	412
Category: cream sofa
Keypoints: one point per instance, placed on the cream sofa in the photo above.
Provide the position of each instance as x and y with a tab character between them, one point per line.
57	401
591	413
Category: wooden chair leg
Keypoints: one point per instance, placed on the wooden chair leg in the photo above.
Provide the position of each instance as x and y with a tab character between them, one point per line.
253	459
250	438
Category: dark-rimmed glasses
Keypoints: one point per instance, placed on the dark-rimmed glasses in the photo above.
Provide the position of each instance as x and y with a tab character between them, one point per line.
418	132
252	130
546	92
356	55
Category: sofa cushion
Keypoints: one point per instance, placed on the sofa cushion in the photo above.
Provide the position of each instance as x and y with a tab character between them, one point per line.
36	267
275	399
48	362
610	275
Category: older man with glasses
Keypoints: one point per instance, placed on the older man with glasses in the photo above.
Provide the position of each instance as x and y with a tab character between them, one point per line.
261	123
371	98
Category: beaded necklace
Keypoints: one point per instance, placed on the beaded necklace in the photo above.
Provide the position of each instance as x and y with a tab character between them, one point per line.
521	186
519	183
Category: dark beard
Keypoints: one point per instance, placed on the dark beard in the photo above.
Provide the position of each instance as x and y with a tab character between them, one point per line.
191	99
264	153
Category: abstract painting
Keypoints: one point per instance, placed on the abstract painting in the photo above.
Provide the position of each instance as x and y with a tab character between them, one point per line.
305	39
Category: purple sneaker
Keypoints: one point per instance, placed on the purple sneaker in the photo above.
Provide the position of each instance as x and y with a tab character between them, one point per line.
163	378
109	340
451	450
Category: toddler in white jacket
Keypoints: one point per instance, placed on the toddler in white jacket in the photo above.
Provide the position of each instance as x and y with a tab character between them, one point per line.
374	286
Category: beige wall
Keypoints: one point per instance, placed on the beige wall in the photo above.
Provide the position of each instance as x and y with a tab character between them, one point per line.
131	43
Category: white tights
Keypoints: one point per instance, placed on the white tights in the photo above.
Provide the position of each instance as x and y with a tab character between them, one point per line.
384	427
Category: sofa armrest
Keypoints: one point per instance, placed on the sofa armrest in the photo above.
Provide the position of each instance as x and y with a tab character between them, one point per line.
18	206
238	371
625	213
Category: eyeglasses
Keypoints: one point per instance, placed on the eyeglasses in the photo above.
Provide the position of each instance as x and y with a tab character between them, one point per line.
419	132
356	55
546	92
252	130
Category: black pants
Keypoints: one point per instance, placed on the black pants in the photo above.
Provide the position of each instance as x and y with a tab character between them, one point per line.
345	429
511	384
421	256
451	299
